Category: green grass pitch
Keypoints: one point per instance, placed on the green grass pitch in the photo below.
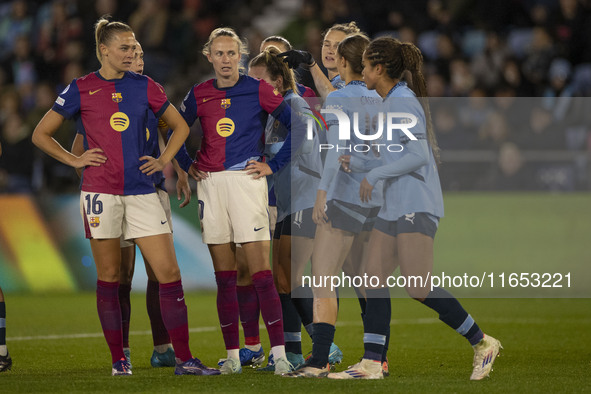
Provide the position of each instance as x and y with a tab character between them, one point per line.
57	346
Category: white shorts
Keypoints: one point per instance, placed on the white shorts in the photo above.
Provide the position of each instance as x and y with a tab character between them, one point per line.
109	216
165	201
233	208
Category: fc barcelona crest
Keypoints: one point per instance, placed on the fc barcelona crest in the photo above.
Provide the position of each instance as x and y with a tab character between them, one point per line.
225	103
95	221
117	97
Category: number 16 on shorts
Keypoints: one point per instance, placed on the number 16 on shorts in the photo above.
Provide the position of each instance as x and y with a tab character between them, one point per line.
100	221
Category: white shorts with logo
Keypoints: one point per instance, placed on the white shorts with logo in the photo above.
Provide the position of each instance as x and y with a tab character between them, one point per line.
128	217
165	201
233	208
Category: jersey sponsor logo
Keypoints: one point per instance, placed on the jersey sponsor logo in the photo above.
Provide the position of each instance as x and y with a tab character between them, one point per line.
117	97
225	104
225	127
94	221
60	101
91	92
119	121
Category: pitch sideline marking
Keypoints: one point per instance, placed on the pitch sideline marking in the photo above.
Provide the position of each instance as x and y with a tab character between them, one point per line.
339	324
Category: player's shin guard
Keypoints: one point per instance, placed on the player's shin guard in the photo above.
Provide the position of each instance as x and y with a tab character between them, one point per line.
159	333
109	311
376	323
453	314
292	325
125	305
270	306
174	315
228	311
248	304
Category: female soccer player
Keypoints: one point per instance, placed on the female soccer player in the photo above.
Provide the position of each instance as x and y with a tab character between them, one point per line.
233	109
340	215
284	45
405	228
330	42
118	195
252	353
294	187
163	354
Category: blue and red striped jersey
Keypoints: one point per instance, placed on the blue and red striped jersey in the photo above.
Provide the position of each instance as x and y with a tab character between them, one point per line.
233	120
113	116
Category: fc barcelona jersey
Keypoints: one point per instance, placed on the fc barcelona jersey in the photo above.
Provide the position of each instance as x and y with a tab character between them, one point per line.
233	120
113	115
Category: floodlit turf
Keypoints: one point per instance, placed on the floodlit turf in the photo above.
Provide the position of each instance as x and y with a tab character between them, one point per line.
547	349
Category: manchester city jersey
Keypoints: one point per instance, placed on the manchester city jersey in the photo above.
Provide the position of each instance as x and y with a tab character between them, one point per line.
411	179
341	185
337	82
233	120
113	116
295	184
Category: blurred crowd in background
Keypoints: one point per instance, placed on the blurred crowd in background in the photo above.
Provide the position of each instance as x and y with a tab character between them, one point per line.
510	77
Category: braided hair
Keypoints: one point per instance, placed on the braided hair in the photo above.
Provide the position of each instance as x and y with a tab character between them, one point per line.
404	61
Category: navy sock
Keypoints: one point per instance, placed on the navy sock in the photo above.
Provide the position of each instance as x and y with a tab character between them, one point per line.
323	338
453	314
304	303
292	325
386	345
362	301
2	323
376	324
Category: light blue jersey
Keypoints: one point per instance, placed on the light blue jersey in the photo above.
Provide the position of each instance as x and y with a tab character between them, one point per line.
295	184
411	179
337	82
341	185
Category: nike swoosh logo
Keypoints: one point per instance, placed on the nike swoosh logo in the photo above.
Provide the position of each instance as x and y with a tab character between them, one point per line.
180	299
260	228
91	92
226	325
163	222
207	99
273	322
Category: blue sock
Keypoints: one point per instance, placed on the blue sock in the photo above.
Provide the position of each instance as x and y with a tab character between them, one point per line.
323	338
376	324
292	325
451	313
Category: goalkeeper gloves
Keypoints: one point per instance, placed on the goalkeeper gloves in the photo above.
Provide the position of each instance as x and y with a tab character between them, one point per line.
294	58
